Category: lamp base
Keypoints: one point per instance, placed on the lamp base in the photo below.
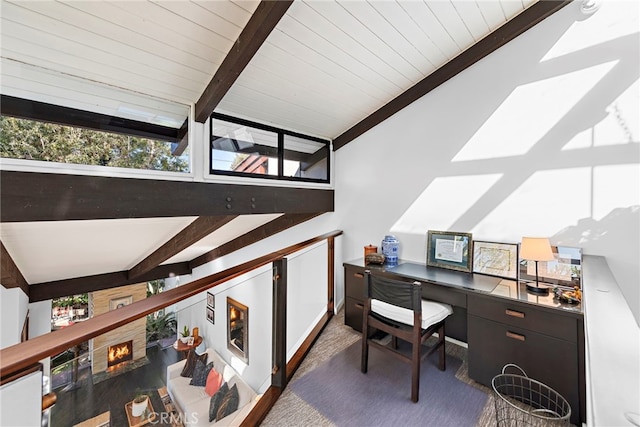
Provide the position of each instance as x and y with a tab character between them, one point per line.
538	290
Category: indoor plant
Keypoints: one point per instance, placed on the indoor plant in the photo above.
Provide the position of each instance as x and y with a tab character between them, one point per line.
185	334
139	404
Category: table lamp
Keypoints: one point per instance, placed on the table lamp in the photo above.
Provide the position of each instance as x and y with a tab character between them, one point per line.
536	249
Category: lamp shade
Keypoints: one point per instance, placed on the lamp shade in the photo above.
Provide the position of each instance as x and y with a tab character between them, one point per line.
536	249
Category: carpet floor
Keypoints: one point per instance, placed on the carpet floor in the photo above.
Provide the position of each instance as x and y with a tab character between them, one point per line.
293	410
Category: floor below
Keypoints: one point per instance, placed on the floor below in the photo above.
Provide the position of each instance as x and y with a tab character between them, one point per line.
89	398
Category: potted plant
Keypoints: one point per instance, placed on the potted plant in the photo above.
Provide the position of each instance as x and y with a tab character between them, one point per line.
139	404
185	334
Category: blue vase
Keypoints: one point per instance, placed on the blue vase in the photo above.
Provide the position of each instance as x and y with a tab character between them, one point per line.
390	247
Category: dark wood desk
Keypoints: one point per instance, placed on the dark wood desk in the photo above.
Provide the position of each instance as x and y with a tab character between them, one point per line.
500	322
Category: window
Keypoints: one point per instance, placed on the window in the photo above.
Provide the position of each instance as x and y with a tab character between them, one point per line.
244	148
51	142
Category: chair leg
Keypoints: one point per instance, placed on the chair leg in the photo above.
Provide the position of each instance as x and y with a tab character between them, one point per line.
415	371
441	351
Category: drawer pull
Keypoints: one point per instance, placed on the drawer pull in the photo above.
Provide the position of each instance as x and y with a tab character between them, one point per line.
514	313
515	336
360	306
358	275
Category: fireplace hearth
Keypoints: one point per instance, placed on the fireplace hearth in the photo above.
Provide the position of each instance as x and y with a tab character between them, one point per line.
119	353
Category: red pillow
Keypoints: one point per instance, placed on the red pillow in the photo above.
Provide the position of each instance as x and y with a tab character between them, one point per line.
214	381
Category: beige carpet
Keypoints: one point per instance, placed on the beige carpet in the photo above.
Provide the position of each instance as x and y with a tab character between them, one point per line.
292	411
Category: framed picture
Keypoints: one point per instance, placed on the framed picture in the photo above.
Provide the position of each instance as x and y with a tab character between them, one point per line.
449	249
116	303
211	300
565	270
496	259
211	316
238	329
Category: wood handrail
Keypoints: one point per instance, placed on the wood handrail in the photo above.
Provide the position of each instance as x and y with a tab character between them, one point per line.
21	356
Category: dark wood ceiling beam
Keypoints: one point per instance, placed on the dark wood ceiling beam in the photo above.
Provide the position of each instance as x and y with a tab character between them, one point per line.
34	110
10	274
501	36
80	285
263	20
269	229
35	196
199	228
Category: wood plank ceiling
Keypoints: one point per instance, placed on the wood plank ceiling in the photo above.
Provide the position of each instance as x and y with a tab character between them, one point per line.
330	69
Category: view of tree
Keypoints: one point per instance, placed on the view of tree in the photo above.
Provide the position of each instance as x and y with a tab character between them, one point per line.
32	140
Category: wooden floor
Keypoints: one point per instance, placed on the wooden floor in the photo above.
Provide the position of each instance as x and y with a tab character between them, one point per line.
88	400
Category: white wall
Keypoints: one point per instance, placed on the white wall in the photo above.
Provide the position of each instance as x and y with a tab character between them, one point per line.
13	307
539	138
306	293
254	290
21	401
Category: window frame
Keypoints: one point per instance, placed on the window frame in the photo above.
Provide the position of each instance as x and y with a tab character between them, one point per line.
280	156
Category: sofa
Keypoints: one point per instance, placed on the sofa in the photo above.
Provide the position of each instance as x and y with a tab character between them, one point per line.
192	402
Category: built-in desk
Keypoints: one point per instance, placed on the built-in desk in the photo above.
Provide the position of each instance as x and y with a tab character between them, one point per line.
500	322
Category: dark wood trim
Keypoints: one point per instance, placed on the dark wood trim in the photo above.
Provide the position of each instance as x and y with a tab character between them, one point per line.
20	356
40	111
80	285
21	373
36	196
10	273
263	20
298	357
192	233
498	38
331	265
279	328
262	407
267	230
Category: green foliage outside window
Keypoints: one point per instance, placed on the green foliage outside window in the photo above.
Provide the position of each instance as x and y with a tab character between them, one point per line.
33	140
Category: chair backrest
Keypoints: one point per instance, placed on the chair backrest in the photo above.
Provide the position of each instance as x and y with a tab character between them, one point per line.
402	294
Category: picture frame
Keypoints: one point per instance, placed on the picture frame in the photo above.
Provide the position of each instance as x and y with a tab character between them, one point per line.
449	249
211	300
120	302
496	259
211	315
238	329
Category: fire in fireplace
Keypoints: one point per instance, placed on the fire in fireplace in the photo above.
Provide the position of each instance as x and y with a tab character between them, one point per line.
119	353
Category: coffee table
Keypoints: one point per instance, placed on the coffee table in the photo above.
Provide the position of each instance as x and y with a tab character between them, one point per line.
148	416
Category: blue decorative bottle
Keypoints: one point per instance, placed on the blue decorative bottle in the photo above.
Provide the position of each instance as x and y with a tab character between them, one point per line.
390	246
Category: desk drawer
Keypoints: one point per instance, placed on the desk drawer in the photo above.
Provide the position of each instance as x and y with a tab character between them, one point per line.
354	282
552	361
524	316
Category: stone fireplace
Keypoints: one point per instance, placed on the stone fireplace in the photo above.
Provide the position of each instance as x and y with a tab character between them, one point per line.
133	334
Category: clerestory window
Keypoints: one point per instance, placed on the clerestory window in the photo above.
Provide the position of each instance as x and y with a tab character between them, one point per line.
244	148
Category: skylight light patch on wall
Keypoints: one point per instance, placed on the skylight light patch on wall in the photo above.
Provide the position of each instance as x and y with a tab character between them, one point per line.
444	201
612	22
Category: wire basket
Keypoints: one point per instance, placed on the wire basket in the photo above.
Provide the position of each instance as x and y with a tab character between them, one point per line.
522	401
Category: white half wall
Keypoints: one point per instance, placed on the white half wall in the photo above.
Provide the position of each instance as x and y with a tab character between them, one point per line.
21	401
14	305
306	293
540	138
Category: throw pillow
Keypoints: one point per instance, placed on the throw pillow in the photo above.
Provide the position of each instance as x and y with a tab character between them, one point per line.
200	373
214	381
216	400
229	403
190	364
